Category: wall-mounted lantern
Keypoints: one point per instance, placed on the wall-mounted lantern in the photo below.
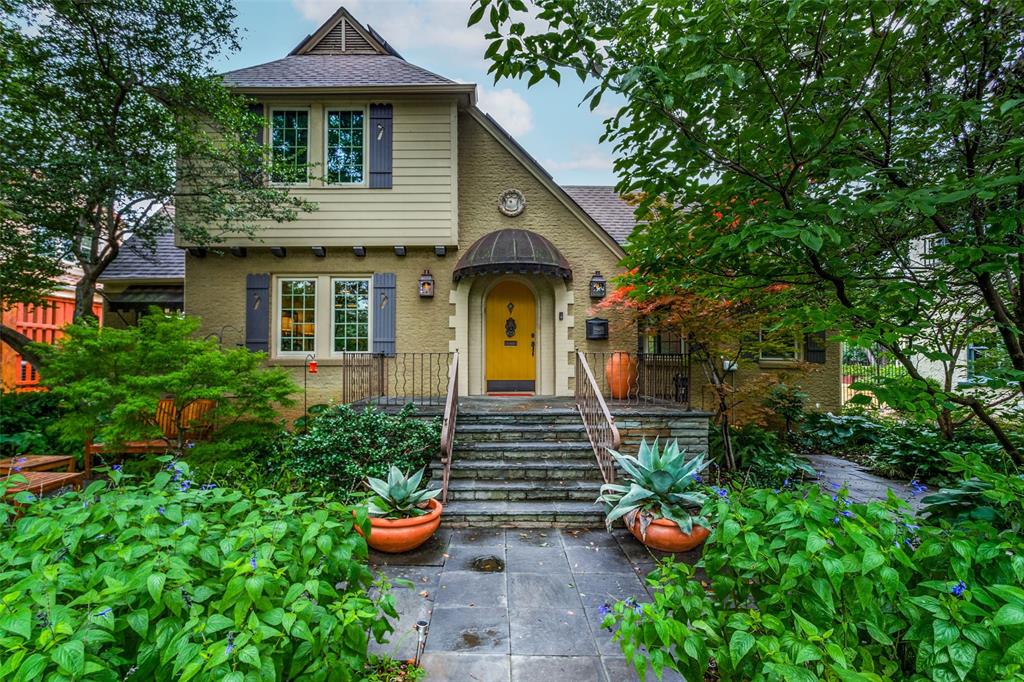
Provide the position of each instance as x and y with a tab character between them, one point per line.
311	364
598	285
426	285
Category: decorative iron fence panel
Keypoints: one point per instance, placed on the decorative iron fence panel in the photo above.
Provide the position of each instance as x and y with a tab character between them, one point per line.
395	380
642	377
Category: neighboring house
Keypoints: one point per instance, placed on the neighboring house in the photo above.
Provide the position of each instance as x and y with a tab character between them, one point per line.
43	324
436	232
142	276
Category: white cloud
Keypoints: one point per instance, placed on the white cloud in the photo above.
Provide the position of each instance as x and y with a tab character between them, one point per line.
508	108
587	158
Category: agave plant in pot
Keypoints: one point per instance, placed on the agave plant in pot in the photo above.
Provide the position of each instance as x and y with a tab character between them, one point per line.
660	503
403	515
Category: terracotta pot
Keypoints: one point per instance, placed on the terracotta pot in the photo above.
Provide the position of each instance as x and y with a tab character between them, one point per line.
402	535
665	535
620	373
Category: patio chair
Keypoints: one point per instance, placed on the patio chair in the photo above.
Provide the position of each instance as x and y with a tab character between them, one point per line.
24	463
194	418
41	482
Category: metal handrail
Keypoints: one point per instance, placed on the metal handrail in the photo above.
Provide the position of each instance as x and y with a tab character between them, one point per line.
597	419
451	413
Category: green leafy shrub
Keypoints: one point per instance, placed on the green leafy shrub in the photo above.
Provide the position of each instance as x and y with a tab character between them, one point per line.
173	581
247	456
983	494
827	432
805	586
343	446
761	457
110	381
787	402
26	423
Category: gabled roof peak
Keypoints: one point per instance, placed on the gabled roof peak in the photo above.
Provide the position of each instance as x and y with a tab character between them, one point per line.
342	34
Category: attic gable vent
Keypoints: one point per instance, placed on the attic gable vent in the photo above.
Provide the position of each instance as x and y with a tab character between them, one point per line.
341	34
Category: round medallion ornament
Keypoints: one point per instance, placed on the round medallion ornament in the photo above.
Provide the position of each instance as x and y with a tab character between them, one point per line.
511	202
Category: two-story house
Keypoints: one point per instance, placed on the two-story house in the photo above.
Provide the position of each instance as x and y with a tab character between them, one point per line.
435	233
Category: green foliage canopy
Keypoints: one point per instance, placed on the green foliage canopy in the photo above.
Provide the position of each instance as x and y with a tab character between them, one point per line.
815	145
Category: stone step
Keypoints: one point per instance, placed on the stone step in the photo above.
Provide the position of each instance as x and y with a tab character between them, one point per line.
513	491
551	416
481	432
521	470
539	450
540	514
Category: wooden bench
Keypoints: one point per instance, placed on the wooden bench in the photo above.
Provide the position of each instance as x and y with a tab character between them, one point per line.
41	482
194	419
23	463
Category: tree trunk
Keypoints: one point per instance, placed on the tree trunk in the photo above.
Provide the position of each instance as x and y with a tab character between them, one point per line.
728	458
19	343
85	292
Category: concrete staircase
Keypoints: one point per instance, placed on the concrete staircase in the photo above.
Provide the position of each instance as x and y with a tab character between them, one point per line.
528	468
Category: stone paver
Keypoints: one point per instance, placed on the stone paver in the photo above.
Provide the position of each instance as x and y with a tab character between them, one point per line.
863	485
536	620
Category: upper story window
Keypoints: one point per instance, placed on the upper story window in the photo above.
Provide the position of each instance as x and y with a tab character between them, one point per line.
289	145
344	157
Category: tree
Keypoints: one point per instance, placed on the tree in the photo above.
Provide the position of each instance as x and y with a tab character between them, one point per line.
109	112
834	138
110	381
720	335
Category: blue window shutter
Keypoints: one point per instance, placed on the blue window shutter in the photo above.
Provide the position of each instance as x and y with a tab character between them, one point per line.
384	305
257	109
257	312
814	347
381	125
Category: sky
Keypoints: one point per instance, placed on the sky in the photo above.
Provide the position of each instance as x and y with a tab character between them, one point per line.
548	120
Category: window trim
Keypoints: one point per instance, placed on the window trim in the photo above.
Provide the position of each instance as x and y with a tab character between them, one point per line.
369	318
327	109
761	357
279	309
270	145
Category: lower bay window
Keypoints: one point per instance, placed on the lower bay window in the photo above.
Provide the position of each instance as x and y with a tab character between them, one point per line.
325	315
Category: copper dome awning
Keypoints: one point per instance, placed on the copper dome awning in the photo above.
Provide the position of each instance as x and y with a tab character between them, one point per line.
512	252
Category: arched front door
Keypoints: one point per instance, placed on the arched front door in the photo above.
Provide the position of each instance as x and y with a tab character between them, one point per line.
510	328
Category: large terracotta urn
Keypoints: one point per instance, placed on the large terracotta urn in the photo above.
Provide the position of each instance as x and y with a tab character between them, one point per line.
667	536
401	535
620	373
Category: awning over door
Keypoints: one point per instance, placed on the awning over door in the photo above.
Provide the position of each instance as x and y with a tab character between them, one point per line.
512	252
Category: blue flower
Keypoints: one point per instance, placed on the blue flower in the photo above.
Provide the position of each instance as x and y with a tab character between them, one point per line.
785	484
185	485
16	469
208	486
916	488
231	643
958	589
116	467
604	610
252	561
22	460
847	513
161	510
836	487
835	520
721	492
697	478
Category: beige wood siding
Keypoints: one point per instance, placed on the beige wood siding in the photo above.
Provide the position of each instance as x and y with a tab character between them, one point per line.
420	209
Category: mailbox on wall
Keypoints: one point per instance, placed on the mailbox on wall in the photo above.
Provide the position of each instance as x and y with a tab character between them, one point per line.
597	329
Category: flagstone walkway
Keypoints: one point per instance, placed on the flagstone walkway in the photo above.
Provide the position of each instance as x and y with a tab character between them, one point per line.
863	485
535	619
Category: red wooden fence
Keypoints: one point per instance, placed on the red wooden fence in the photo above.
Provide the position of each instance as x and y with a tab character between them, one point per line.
41	323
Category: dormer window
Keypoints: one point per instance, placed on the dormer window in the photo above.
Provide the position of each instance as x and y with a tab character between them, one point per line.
344	155
289	145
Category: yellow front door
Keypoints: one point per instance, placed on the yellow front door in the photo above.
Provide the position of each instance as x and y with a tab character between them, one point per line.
511	345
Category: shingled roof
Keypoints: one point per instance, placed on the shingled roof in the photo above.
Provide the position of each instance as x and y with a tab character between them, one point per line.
606	207
342	53
333	71
136	261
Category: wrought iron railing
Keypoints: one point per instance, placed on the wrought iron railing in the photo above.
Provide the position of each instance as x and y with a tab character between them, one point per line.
642	377
420	378
598	421
451	413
